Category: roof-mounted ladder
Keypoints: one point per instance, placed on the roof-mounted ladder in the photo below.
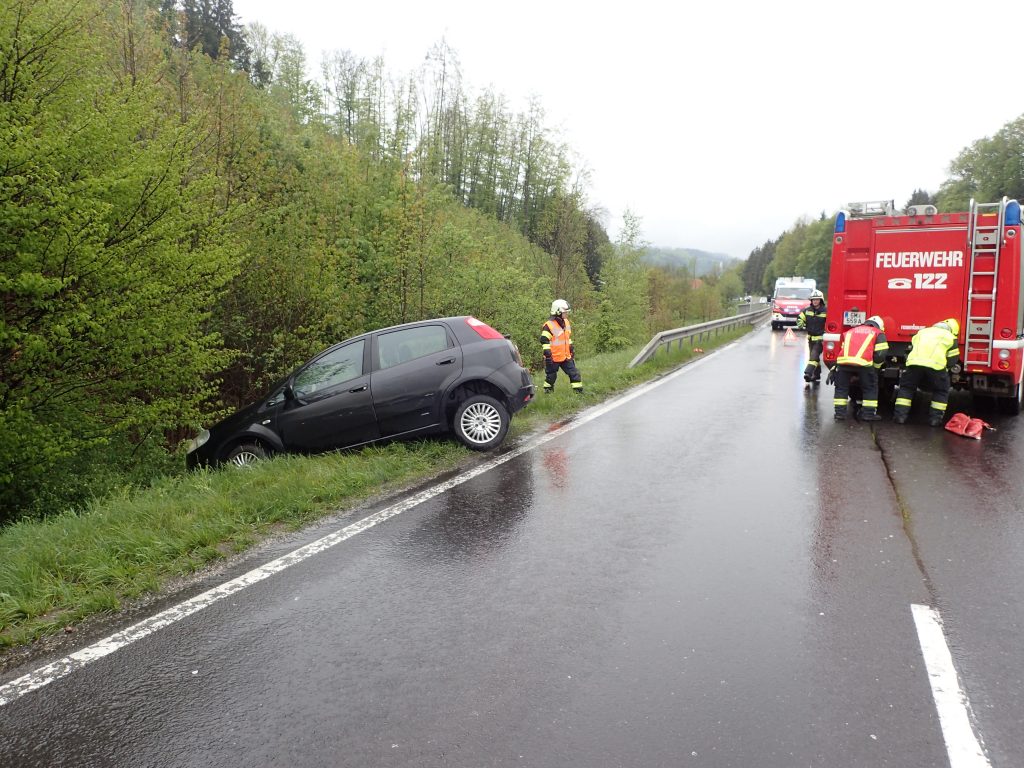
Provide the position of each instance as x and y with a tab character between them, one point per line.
984	237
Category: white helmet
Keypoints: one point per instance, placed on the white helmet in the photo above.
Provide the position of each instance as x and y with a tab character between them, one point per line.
877	321
559	306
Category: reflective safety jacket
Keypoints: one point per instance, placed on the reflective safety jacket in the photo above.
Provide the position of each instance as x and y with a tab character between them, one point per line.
933	347
862	345
813	320
558	339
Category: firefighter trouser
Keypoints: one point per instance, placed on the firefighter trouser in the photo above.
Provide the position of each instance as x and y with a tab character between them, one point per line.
867	375
937	382
813	370
569	366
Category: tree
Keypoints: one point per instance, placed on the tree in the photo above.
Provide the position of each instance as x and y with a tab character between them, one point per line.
622	300
920	197
113	250
987	170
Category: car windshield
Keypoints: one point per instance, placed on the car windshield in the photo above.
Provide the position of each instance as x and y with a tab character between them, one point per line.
793	293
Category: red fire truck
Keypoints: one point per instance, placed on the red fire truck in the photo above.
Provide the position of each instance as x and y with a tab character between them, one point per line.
918	268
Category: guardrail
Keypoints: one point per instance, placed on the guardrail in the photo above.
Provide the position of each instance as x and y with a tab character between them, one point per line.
666	338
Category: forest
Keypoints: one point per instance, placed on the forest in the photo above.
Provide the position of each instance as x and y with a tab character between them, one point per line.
186	215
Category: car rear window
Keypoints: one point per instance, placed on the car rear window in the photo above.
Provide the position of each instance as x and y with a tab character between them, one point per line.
397	347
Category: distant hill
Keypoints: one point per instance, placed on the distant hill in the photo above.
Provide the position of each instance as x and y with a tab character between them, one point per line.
702	262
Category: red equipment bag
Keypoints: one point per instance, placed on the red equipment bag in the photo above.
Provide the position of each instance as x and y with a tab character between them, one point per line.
962	424
958	423
975	427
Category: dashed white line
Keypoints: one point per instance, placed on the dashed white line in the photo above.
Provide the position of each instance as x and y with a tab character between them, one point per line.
962	745
62	667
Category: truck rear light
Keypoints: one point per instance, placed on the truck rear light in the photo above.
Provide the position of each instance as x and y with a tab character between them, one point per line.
833	326
1004	365
830	345
1004	354
1006	333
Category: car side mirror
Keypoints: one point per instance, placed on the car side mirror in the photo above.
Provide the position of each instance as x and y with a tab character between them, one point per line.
289	393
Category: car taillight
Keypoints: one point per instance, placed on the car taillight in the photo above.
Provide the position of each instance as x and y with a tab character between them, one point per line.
484	331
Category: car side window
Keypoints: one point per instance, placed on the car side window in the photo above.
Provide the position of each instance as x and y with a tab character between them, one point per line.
275	399
336	367
397	347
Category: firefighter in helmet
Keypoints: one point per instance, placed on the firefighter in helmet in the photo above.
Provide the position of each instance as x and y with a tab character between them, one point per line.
933	352
812	320
861	353
556	342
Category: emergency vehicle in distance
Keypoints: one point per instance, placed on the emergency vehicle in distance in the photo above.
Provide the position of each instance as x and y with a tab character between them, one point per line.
916	269
792	296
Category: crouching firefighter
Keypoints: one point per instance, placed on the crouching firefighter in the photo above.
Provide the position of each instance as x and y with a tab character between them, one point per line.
556	342
812	320
933	352
861	353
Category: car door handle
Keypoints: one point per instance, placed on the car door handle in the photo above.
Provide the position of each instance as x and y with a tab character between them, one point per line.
446	361
359	389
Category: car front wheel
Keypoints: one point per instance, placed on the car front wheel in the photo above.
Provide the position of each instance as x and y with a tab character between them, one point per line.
481	423
246	454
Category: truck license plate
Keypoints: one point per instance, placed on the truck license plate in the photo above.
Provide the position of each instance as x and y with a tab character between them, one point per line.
853	318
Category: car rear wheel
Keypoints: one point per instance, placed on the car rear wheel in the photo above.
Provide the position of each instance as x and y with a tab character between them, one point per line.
481	423
246	454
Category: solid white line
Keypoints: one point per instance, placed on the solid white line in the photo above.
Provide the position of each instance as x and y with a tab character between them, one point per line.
54	671
962	745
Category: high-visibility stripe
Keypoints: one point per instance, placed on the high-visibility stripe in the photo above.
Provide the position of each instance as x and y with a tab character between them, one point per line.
841	401
938	406
903	401
870	403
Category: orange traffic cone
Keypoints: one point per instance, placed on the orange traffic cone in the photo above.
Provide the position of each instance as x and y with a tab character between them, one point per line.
790	336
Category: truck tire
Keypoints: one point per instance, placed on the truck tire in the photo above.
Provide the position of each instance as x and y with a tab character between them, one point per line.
1012	405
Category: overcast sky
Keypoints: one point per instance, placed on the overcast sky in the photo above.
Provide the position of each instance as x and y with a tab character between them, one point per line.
719	126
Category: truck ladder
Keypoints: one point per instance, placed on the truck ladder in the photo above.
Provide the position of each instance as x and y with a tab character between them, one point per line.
985	240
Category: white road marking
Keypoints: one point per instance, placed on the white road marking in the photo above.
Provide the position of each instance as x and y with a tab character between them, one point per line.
54	671
951	702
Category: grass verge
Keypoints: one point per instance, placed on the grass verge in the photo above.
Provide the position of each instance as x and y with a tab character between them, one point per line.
60	571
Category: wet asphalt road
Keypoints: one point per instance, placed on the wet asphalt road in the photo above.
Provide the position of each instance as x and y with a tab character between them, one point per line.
713	574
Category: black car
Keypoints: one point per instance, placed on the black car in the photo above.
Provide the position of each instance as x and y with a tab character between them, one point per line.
454	373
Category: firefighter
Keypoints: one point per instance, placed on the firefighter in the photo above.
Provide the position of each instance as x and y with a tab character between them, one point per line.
812	320
861	353
556	342
933	352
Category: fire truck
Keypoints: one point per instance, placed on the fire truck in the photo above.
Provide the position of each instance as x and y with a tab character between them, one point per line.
916	269
792	296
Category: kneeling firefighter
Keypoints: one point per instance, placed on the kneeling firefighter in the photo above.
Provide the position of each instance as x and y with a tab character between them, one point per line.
933	352
861	353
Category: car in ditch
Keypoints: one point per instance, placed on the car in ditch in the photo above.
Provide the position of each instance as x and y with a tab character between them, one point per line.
453	374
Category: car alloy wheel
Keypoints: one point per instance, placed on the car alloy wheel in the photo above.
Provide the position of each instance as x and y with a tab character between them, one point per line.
246	454
481	422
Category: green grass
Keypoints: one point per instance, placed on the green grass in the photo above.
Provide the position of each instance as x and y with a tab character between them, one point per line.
59	571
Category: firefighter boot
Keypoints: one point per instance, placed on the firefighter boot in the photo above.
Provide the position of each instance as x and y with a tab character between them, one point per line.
934	419
868	414
899	418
